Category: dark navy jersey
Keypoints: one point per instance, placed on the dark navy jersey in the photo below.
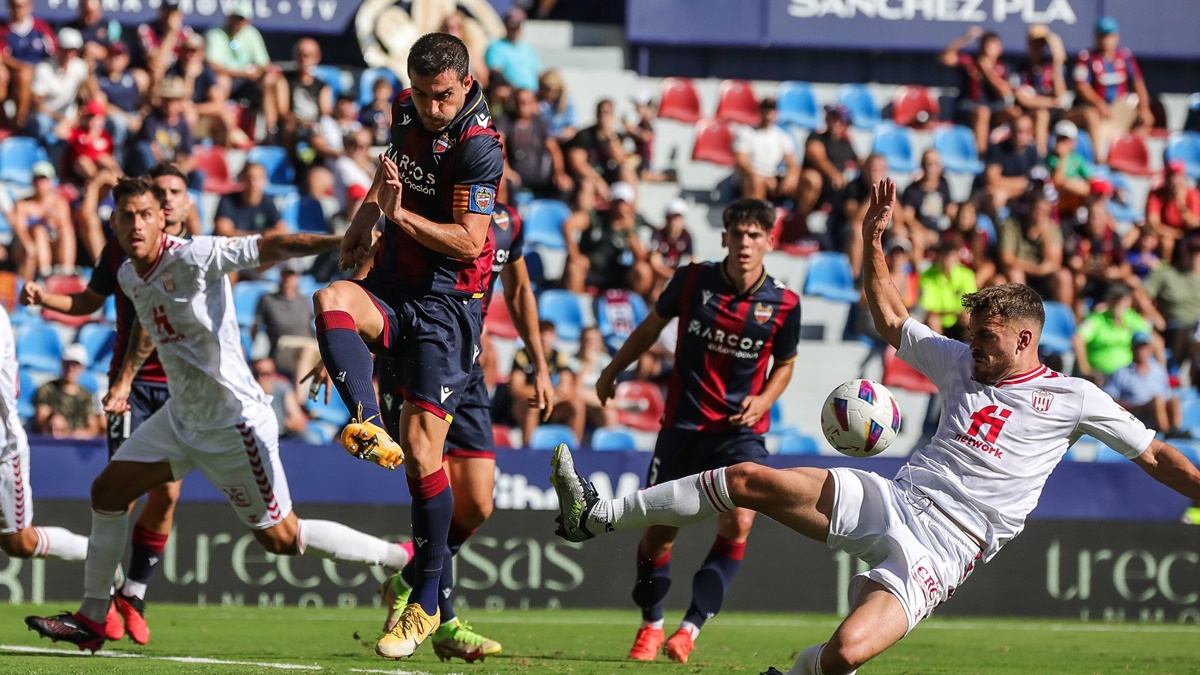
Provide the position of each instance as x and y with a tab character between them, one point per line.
509	233
104	282
453	170
726	342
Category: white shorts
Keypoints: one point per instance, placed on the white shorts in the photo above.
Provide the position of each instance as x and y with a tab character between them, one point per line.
16	495
242	461
914	550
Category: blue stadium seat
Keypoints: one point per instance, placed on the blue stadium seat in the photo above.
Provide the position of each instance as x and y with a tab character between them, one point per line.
1185	145
1123	212
896	145
983	223
796	443
28	387
247	343
613	440
536	269
562	308
110	309
1192	123
366	83
206	218
17	155
89	381
7	200
281	177
864	112
1059	329
330	75
829	276
99	339
335	412
957	145
543	223
1107	454
304	214
797	105
320	433
617	314
246	294
548	436
39	347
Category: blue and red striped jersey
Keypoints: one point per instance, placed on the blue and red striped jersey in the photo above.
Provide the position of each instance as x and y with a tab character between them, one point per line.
509	235
1111	79
35	45
725	345
456	169
104	282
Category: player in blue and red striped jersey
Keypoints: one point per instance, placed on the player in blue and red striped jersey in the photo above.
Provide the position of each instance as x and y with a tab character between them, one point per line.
738	331
421	301
1106	77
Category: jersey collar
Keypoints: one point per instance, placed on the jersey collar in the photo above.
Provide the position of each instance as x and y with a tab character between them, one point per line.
1024	377
762	279
473	103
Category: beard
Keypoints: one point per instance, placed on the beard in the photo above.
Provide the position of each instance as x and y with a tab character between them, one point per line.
989	370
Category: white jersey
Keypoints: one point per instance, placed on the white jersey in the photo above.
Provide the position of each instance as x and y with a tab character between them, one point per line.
185	302
997	444
14	439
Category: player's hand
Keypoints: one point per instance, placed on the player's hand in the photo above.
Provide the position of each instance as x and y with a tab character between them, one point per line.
116	401
543	394
606	387
879	213
320	378
31	294
753	409
974	32
392	188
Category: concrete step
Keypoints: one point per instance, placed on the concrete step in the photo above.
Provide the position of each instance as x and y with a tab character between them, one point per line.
589	58
563	34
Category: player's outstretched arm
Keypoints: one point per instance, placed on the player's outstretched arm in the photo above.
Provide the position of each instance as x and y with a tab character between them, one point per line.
1169	466
273	248
639	342
522	305
75	304
887	307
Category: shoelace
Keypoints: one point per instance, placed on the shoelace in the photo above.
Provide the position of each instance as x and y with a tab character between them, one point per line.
463	633
409	623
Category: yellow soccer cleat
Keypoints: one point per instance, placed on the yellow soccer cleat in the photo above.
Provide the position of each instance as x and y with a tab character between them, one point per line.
413	628
366	440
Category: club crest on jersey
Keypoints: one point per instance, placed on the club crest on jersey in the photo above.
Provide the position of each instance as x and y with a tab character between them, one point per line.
500	219
168	282
762	313
1042	400
442	143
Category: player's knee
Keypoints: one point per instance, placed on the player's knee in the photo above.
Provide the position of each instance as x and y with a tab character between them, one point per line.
108	496
744	479
849	650
274	541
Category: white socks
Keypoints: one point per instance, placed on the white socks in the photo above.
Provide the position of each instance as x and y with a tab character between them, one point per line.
327	539
691	628
809	662
56	542
679	502
110	536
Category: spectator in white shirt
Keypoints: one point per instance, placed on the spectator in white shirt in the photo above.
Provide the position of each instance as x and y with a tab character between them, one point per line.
56	83
765	158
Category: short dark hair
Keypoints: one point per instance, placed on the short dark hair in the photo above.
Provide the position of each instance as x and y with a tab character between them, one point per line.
435	53
988	36
546	325
753	211
134	187
1011	301
166	169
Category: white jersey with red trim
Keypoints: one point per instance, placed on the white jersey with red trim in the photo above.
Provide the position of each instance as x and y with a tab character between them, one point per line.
185	302
14	433
997	444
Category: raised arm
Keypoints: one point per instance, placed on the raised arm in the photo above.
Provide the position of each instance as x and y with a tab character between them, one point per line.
886	304
273	248
75	304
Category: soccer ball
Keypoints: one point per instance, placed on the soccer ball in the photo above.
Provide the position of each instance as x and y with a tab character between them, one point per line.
860	418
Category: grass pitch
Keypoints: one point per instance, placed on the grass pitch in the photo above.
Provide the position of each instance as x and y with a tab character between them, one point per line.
211	640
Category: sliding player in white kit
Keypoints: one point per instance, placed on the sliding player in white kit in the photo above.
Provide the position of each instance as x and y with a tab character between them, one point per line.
1006	422
218	419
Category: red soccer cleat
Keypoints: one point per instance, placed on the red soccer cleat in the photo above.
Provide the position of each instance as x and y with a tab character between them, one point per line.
133	612
114	628
646	644
679	645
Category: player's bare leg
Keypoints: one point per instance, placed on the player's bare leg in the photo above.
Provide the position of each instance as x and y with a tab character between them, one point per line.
876	623
150	534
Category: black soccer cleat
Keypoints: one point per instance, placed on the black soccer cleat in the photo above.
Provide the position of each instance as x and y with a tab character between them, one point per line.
771	670
67	627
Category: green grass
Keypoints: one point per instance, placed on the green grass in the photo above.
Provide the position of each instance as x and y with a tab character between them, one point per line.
593	642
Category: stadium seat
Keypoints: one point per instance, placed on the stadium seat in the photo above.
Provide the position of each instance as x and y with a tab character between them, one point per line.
1059	330
536	269
281	177
737	103
543	223
714	143
7	200
334	412
498	321
246	294
797	105
1185	145
366	84
618	312
1130	155
212	161
613	440
330	75
89	381
99	340
640	405
502	436
549	436
26	388
915	107
39	347
1192	123
304	214
829	276
1085	147
110	309
17	156
1123	212
864	113
679	101
792	442
957	145
65	284
900	375
896	145
562	308
320	433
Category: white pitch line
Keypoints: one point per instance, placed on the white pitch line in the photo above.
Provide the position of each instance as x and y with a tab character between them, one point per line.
23	649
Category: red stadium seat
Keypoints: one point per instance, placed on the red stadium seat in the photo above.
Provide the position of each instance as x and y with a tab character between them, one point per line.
640	405
679	101
1129	154
898	374
60	283
908	104
738	103
502	436
211	160
499	322
714	143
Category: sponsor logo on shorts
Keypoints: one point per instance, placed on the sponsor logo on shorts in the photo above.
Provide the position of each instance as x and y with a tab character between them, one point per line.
922	573
237	495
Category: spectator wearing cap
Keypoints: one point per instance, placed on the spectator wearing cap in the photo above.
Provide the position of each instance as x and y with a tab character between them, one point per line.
1173	209
62	407
1110	94
124	91
604	248
58	83
943	286
1143	388
532	154
1009	163
926	207
236	50
764	157
1069	171
1104	339
984	93
596	158
1041	83
89	147
557	107
670	246
250	211
1175	290
1031	249
512	57
99	33
42	227
206	96
166	135
160	41
25	42
829	163
306	98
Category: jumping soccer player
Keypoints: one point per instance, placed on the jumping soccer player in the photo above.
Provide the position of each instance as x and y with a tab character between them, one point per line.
1006	422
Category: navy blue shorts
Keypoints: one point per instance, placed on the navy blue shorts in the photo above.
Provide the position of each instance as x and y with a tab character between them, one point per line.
470	432
433	340
145	399
683	452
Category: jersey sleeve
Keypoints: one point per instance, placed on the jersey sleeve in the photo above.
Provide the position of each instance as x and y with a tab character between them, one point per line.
667	304
1111	424
932	354
477	171
221	255
787	339
104	275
